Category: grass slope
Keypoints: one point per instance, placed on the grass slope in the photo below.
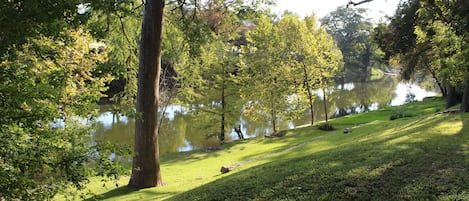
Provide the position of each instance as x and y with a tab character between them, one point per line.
424	157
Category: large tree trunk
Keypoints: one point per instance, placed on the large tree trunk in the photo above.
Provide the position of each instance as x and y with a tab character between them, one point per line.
451	99
146	165
465	96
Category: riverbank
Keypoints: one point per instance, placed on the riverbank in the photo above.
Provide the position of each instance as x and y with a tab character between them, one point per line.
423	156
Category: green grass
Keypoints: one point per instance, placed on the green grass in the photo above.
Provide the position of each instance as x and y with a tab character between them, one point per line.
423	157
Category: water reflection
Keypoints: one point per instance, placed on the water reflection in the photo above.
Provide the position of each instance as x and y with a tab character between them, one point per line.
182	130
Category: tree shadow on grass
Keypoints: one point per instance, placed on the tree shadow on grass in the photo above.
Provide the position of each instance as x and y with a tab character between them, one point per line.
120	192
427	166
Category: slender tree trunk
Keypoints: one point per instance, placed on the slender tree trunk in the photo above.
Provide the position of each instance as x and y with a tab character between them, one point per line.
325	105
465	96
223	105
274	123
311	109
146	165
310	94
443	90
451	99
367	60
273	112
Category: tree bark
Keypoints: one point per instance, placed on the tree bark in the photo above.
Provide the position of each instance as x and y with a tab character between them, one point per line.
465	96
146	165
451	99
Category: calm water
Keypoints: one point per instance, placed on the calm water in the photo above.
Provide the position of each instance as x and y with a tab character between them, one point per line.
181	130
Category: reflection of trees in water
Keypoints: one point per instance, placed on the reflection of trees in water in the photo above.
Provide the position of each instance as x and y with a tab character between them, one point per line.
120	130
258	126
173	133
364	96
352	98
203	129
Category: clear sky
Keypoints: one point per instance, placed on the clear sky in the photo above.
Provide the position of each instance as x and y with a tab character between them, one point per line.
376	9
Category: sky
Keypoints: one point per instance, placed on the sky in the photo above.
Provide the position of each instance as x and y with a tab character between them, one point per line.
377	8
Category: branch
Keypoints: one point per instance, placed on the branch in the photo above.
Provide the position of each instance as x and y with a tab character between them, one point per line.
123	29
357	3
139	6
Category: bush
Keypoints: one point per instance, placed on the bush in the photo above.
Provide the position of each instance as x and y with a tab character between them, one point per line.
326	127
400	114
45	99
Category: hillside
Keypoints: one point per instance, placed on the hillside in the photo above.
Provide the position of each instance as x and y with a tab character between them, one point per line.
421	157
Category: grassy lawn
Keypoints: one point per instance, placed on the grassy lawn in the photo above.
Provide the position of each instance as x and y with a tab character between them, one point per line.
422	157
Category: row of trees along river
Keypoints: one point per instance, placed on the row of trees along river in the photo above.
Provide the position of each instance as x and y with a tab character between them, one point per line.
185	129
214	66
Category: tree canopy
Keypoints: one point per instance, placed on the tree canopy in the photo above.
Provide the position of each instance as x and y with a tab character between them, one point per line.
427	38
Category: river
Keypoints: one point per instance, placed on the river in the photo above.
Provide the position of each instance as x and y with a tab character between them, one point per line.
182	131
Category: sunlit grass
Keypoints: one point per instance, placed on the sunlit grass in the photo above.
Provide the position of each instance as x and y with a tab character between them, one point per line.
424	157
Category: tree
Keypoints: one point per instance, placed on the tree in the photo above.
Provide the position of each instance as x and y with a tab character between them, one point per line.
210	86
146	164
35	18
266	73
218	89
306	45
428	36
47	91
286	61
456	15
51	80
329	63
116	25
352	33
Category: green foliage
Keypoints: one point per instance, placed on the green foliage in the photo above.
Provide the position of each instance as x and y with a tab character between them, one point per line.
286	61
118	26
426	39
352	33
211	88
398	37
26	19
48	92
266	73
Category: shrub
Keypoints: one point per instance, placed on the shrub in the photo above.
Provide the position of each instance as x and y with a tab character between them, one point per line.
400	114
327	127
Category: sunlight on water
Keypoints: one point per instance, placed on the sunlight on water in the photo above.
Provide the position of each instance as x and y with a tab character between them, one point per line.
403	89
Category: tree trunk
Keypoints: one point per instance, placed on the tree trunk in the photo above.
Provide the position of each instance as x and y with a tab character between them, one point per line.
146	165
223	105
367	60
325	105
273	112
443	90
451	99
465	96
310	94
311	108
